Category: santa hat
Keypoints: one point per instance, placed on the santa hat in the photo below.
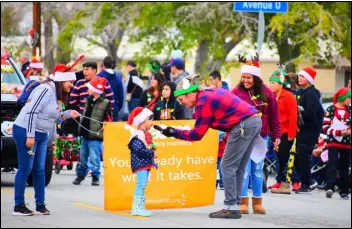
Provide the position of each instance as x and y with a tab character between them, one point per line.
321	140
138	116
36	64
342	94
63	72
308	73
97	85
251	66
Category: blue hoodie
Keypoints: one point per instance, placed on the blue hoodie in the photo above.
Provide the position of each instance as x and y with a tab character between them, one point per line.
116	85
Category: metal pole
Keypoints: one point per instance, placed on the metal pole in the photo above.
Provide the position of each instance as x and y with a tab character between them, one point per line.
36	27
261	28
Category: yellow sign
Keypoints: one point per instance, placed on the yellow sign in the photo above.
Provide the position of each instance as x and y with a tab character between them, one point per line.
185	177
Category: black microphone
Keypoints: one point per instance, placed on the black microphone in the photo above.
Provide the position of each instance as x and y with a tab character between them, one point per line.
158	128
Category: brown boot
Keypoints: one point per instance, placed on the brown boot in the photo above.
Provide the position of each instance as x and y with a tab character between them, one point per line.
244	205
284	189
257	205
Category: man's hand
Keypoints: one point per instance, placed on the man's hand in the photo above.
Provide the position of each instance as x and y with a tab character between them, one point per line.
276	144
346	132
168	132
74	114
317	151
30	142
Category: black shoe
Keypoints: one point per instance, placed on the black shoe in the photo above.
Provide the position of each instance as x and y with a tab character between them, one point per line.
78	180
344	196
313	186
22	210
41	210
95	181
226	214
304	190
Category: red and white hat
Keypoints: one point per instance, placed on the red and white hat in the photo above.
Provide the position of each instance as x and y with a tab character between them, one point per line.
97	85
308	73
63	72
36	64
138	116
251	66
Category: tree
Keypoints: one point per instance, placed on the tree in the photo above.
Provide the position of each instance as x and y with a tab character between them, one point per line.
212	27
106	21
314	31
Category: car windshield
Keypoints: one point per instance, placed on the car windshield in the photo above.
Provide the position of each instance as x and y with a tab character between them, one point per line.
10	73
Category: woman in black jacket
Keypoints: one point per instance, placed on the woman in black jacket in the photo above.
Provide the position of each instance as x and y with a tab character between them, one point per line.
167	107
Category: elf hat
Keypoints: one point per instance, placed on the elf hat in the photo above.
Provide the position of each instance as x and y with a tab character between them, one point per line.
281	77
138	116
36	64
251	66
187	85
308	73
97	85
63	72
342	94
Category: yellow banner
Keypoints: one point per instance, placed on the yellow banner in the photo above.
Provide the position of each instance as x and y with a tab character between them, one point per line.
185	177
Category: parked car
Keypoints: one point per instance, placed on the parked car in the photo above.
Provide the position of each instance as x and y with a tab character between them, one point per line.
12	82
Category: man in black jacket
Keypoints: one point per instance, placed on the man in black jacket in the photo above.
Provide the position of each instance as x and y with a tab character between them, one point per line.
312	112
135	86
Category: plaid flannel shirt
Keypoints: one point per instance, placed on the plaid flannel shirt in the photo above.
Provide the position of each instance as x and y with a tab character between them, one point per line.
218	109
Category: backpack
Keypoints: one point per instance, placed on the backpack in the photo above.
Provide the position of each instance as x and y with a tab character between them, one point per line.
27	91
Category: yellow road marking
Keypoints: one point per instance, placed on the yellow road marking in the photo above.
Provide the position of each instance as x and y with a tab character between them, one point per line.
10	191
102	209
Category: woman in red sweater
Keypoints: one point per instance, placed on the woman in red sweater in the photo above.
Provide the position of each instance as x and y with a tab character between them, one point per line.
279	84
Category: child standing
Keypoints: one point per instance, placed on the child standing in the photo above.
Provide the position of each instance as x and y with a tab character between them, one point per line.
168	108
96	111
142	156
337	126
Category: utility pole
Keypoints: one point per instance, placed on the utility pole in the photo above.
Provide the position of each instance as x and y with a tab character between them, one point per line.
37	28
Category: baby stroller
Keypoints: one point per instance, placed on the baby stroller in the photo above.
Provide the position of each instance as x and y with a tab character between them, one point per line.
270	162
66	152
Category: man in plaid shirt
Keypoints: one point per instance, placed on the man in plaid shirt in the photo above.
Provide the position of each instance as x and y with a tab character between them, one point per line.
219	109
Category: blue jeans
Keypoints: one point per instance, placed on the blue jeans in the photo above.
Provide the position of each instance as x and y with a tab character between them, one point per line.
133	104
89	149
220	173
255	172
142	181
30	163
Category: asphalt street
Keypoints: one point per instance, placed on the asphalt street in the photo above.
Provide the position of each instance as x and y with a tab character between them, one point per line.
83	206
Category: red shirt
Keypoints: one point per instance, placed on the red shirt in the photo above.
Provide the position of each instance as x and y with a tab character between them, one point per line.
288	113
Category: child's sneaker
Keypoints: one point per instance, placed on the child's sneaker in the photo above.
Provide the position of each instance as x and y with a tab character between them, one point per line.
78	180
95	181
41	210
329	193
344	196
22	210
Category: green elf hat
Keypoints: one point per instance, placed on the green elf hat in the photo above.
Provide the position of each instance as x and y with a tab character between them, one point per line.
187	85
341	95
154	66
280	76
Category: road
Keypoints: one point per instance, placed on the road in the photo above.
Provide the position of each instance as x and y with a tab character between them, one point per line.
82	206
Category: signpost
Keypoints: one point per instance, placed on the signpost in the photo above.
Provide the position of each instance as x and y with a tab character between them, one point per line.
261	8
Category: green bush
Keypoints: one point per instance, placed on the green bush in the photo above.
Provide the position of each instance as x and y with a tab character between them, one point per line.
327	100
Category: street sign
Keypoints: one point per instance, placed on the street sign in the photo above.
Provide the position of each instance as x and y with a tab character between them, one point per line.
266	7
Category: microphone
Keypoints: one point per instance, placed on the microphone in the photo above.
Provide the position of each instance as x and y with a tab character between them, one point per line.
158	128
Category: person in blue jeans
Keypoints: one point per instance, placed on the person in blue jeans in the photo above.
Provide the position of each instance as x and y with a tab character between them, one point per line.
30	131
97	110
142	156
